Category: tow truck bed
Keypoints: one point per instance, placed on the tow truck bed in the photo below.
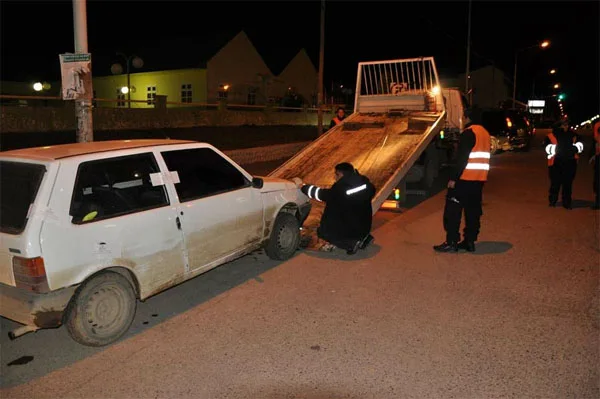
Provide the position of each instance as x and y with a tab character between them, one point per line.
382	145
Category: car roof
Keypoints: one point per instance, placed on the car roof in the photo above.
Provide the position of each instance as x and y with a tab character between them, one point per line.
54	152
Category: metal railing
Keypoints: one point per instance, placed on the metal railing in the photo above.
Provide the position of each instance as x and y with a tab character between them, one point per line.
49	101
406	84
395	77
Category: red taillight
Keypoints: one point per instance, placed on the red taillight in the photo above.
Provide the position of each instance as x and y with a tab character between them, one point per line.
30	274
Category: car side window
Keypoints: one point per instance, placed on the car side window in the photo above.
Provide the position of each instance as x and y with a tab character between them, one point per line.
202	173
113	187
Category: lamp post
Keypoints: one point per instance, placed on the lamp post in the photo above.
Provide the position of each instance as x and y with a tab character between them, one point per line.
321	66
542	45
134	60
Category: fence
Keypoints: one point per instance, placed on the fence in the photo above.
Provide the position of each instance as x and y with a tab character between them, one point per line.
159	102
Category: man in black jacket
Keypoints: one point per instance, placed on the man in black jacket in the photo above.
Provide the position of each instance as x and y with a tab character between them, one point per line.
347	218
562	149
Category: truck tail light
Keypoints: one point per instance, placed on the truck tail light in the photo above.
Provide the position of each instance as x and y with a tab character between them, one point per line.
30	274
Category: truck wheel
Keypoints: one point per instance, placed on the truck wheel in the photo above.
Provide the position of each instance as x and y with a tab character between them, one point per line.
285	237
429	173
495	145
101	310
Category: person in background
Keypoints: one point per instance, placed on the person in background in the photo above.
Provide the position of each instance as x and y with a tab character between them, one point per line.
340	115
465	187
562	149
596	159
348	215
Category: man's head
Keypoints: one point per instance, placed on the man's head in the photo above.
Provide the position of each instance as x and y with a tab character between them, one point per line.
343	169
563	125
340	113
473	115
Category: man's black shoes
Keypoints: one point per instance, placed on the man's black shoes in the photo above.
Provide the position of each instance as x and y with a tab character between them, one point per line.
468	246
446	247
365	242
353	250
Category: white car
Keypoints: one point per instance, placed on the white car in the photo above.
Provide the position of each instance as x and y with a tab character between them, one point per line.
87	229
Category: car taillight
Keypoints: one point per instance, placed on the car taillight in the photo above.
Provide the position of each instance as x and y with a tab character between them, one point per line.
30	274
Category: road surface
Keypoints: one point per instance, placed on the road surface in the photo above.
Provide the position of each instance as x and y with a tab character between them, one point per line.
519	318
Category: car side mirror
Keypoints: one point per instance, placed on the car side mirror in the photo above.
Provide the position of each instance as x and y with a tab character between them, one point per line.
257	182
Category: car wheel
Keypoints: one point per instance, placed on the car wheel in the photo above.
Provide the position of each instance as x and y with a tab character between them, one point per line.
101	310
494	145
285	237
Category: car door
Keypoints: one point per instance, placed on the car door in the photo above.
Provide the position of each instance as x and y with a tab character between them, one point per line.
117	217
221	213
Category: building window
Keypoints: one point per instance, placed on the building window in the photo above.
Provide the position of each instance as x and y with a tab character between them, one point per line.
121	98
186	93
223	91
252	98
151	94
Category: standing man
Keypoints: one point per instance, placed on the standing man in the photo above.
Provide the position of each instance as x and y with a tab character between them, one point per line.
562	148
339	117
465	187
596	160
348	215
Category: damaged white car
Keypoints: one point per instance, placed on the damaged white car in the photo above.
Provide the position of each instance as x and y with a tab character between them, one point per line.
88	229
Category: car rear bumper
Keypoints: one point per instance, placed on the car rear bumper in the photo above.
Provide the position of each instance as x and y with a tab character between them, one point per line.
32	309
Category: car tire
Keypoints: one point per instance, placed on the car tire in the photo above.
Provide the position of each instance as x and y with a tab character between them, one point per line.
101	310
285	237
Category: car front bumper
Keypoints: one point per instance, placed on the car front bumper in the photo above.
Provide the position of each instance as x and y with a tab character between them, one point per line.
33	309
304	212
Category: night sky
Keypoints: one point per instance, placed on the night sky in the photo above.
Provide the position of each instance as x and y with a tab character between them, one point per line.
183	34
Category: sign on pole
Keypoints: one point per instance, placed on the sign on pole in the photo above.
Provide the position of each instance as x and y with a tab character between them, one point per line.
73	67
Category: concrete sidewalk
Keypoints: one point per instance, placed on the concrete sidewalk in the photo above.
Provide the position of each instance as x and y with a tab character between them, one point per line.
519	318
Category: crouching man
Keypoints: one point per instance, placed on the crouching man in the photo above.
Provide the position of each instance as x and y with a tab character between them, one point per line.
348	215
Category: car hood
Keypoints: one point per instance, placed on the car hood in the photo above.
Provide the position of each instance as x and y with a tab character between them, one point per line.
275	184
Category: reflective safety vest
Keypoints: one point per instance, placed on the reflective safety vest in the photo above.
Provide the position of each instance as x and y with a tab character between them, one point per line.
551	148
337	120
479	159
597	136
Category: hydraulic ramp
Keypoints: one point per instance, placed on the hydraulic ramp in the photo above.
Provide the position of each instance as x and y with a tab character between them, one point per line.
398	111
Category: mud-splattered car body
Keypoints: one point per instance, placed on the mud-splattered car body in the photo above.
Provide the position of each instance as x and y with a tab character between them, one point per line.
157	212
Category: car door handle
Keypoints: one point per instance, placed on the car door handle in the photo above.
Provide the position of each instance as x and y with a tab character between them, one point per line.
178	222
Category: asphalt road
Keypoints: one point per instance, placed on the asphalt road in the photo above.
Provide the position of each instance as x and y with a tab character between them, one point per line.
519	318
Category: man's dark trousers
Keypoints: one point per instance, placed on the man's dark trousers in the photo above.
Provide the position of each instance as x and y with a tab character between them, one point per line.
465	196
562	174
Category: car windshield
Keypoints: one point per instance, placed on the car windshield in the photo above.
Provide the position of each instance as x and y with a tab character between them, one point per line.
19	184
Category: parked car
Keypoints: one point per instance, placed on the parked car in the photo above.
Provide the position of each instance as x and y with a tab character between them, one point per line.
510	130
87	229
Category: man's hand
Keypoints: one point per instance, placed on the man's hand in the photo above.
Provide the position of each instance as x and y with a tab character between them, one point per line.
298	182
451	183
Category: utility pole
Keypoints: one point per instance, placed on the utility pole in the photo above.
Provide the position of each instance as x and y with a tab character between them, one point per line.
83	106
468	56
321	63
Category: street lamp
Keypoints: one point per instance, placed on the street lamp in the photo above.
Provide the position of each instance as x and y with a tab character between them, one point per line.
556	85
543	45
116	69
552	71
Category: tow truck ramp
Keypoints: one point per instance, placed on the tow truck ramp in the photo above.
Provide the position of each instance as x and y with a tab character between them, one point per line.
398	110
